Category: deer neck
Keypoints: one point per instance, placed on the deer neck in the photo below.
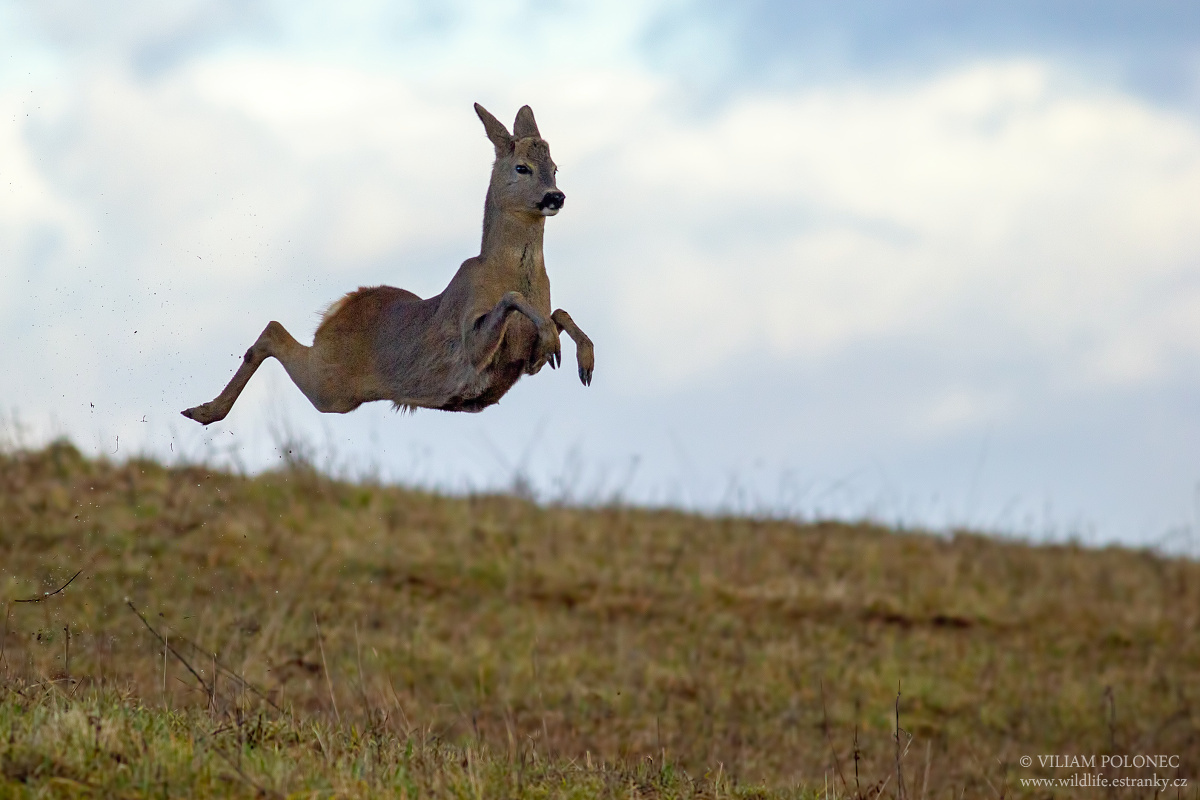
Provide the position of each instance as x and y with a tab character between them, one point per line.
512	242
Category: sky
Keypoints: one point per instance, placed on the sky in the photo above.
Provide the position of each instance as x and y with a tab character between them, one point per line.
928	263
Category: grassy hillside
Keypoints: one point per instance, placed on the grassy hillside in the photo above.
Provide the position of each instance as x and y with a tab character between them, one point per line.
374	640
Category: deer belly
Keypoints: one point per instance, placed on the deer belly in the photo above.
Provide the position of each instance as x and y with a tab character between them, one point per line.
512	360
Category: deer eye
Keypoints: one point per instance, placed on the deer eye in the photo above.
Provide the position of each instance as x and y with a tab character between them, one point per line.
523	170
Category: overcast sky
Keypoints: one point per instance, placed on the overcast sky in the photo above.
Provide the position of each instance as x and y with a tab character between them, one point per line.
928	262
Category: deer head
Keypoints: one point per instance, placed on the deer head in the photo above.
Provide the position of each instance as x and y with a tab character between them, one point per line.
523	174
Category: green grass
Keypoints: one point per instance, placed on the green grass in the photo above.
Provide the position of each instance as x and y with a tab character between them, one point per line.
107	742
491	647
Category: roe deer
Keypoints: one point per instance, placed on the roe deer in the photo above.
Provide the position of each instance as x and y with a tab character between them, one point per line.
461	350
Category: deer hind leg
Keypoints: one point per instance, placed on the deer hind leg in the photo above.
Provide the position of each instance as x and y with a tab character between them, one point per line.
303	366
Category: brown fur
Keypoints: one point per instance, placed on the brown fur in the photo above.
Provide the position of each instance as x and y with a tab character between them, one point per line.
461	350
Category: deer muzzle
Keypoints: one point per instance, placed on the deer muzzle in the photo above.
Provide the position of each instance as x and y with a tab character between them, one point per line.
551	203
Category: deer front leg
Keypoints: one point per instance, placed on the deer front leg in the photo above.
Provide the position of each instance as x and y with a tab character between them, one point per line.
488	332
585	353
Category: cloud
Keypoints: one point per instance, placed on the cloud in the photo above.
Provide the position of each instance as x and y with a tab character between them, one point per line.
1147	49
807	222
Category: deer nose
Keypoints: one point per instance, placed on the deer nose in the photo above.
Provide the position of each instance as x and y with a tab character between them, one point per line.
553	200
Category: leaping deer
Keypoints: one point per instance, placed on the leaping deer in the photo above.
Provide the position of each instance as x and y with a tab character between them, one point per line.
461	350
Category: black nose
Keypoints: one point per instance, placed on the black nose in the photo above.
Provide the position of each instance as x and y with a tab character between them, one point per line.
553	200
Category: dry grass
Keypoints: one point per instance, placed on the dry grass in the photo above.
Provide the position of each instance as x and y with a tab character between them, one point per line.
487	646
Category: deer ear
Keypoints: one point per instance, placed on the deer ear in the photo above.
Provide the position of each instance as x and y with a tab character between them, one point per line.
495	131
525	125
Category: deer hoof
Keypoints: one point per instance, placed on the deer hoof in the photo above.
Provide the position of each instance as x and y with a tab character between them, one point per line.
552	349
585	376
202	414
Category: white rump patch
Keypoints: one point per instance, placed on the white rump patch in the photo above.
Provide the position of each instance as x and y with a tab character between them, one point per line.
334	308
